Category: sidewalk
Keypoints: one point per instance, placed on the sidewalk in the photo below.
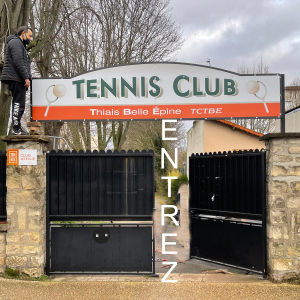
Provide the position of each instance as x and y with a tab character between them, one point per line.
263	290
180	277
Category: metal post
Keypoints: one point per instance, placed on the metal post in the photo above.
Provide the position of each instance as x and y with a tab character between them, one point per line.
282	104
47	216
264	225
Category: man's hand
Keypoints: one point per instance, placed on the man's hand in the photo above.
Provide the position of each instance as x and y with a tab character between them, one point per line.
27	83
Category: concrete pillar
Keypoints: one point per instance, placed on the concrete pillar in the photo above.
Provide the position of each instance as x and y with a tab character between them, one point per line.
283	205
183	231
26	208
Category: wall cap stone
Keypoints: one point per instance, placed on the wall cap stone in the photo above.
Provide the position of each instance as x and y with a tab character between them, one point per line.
26	138
280	135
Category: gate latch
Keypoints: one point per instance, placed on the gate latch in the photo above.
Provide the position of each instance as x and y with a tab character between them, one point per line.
213	197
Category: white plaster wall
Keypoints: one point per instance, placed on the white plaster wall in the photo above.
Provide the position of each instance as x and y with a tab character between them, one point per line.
292	122
195	140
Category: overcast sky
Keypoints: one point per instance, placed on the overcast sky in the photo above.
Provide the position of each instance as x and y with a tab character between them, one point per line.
235	32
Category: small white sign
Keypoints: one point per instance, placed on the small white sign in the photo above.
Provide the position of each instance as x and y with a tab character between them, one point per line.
27	157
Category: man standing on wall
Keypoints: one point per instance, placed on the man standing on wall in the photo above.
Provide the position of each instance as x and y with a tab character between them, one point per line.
16	74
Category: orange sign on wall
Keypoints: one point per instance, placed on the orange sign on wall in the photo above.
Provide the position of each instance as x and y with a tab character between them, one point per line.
22	157
12	157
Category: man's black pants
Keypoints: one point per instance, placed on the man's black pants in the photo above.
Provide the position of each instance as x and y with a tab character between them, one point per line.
18	91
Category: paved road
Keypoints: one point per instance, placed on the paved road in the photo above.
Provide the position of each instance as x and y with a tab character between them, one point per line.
16	289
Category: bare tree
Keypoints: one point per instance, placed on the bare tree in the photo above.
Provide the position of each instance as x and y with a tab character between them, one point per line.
13	14
292	94
259	125
135	31
43	16
72	37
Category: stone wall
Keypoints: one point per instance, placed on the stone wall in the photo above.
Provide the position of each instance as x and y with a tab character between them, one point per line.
283	205
26	211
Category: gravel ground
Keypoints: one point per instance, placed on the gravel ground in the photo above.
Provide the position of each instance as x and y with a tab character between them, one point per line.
13	289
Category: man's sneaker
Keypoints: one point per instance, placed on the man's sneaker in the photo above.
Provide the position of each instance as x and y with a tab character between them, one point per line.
19	131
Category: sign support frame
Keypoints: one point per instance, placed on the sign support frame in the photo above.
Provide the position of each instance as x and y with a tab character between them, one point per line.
282	103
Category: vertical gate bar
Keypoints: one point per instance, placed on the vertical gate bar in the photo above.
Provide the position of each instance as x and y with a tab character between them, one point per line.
232	178
224	191
113	184
242	196
248	185
196	196
136	181
207	203
282	103
263	195
153	245
219	202
213	203
191	181
97	160
105	186
126	184
153	181
144	187
197	199
232	185
81	161
221	182
206	183
200	183
90	185
58	185
47	214
203	160
256	183
66	191
235	204
73	177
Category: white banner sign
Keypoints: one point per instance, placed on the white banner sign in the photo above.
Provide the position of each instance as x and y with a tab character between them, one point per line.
156	91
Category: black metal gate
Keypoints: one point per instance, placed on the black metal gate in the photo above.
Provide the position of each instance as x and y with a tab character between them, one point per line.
227	208
2	186
102	189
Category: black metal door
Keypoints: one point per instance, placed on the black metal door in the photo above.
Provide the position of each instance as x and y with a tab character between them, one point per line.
109	187
102	248
227	207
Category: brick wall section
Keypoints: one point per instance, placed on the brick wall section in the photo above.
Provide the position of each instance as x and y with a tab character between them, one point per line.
26	212
283	205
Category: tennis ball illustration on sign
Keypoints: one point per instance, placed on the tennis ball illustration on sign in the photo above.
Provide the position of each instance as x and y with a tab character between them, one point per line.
58	91
252	87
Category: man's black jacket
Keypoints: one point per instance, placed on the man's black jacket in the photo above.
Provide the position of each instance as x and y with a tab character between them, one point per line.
17	63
